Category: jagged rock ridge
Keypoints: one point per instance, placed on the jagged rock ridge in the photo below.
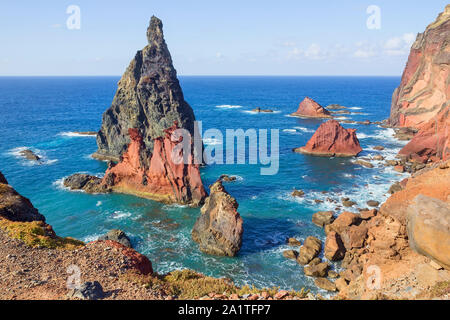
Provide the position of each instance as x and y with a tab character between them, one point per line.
149	98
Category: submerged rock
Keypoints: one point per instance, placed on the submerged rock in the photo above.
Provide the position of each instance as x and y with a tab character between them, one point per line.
137	129
259	110
227	178
308	108
298	193
29	155
332	140
219	228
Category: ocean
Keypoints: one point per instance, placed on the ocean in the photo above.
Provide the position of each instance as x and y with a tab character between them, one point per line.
41	113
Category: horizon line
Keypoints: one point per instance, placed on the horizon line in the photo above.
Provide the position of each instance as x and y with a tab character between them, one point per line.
206	75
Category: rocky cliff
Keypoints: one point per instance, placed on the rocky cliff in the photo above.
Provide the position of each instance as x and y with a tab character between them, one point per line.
136	129
158	178
422	100
219	228
309	108
331	139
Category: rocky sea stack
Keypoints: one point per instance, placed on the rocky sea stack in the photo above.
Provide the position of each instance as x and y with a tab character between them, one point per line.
308	108
136	129
331	139
422	101
219	228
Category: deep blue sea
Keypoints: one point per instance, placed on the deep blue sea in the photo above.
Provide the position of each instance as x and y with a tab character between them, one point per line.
41	114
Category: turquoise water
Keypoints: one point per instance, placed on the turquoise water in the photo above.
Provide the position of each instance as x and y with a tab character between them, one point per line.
41	113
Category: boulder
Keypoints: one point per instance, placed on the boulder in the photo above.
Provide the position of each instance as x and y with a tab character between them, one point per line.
309	108
118	236
334	247
290	254
364	164
378	148
354	236
373	203
310	249
368	214
87	291
317	270
400	169
298	193
428	228
219	228
294	242
332	140
325	284
343	221
348	203
341	284
322	218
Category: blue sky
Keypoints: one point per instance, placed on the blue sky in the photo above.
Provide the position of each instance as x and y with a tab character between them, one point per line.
211	37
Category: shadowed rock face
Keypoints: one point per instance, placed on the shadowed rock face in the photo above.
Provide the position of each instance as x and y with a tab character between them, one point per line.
219	228
331	139
422	100
308	108
14	207
149	98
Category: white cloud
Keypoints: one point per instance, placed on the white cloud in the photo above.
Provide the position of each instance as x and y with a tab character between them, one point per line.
362	53
398	46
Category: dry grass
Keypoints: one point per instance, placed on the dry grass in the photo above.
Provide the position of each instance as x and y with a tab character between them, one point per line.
38	234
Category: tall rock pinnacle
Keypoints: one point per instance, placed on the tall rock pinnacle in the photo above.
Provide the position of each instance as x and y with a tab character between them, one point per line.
136	130
148	98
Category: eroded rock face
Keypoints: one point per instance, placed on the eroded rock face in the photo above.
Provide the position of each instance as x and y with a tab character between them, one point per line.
137	130
429	228
14	207
309	108
422	100
219	229
149	98
331	139
86	182
159	177
424	89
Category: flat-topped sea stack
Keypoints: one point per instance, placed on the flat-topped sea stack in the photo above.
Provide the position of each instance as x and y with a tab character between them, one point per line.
422	100
332	140
136	129
308	108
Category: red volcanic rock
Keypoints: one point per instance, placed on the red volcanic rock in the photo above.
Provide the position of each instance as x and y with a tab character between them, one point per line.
157	177
331	139
432	141
310	109
422	99
135	259
424	90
